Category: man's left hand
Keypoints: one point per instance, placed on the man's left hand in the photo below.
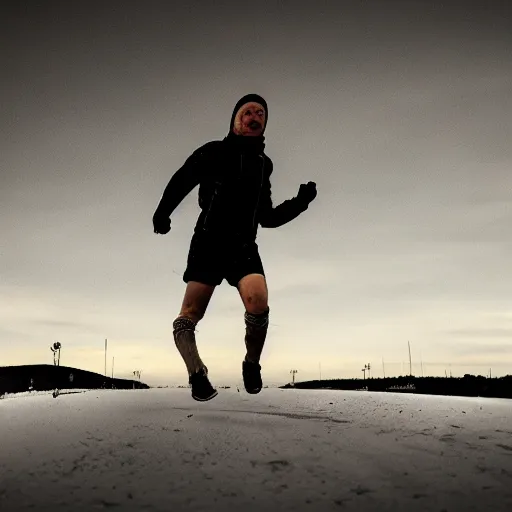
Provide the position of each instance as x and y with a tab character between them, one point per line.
307	192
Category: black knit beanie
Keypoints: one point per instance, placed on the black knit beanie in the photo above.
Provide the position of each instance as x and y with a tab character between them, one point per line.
247	99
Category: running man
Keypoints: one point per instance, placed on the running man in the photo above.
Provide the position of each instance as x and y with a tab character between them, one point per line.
233	175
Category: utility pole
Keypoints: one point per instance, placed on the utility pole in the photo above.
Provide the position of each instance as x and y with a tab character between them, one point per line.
105	357
136	373
383	368
410	360
320	370
112	368
293	372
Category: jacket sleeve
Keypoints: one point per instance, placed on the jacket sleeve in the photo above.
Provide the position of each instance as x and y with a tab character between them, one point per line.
274	217
183	181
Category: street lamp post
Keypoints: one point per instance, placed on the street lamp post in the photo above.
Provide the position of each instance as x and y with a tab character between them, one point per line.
56	363
56	353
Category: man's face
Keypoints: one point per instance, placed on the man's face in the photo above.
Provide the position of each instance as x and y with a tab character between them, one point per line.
249	120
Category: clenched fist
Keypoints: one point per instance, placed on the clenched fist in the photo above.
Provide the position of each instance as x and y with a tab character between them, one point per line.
161	224
307	192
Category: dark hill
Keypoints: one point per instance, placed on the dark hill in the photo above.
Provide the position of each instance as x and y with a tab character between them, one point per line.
46	377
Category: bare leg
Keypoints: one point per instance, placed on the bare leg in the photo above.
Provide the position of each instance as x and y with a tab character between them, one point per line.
196	300
254	294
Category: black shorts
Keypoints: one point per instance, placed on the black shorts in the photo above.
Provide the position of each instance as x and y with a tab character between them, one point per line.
211	260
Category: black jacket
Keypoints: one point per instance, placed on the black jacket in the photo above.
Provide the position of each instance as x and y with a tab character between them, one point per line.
234	189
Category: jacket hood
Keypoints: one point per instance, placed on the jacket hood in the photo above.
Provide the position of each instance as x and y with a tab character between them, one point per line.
247	99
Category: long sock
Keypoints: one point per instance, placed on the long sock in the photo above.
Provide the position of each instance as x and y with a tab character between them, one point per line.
256	327
185	339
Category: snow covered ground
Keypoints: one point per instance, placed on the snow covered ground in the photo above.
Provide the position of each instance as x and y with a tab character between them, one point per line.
158	450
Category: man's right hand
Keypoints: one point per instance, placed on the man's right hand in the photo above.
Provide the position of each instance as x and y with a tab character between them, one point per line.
161	224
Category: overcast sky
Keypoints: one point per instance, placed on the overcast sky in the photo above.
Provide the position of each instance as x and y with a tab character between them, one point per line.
401	112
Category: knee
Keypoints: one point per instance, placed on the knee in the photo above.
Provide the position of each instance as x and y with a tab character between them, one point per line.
257	304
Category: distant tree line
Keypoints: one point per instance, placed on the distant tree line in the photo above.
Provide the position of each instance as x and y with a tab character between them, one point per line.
469	385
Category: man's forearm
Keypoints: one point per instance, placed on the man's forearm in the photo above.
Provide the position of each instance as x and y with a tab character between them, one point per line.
283	213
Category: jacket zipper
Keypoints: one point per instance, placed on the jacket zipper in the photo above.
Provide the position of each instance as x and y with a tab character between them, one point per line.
259	194
210	206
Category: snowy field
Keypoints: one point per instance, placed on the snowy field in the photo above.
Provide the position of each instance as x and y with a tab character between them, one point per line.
158	450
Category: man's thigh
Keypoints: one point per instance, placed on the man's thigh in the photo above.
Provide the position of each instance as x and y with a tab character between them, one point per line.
243	261
205	262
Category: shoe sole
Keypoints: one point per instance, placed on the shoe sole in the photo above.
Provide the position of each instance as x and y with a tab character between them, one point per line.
205	399
253	391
